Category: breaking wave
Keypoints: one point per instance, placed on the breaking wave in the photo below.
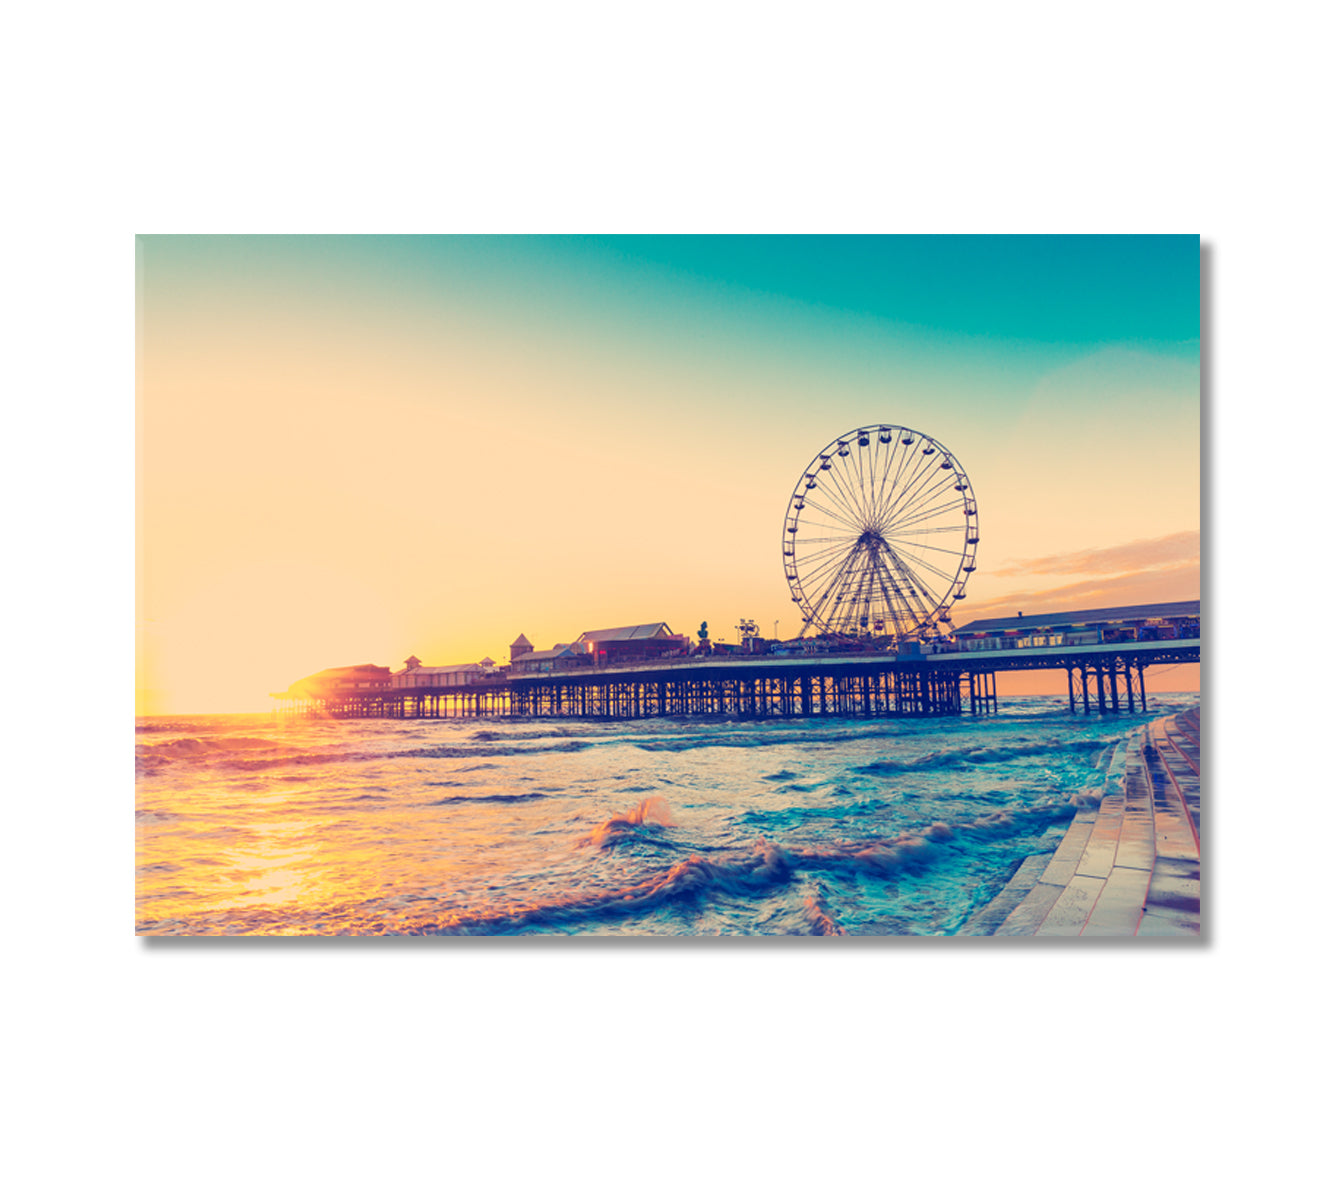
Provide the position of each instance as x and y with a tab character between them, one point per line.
765	867
821	921
650	811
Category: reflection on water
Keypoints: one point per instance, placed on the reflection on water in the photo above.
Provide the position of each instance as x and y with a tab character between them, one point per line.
279	825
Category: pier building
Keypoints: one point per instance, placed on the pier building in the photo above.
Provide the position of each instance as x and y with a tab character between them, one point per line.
414	674
335	681
604	648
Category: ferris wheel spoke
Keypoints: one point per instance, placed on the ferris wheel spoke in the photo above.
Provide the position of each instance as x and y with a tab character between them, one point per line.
883	456
830	590
815	568
816	572
898	460
926	489
904	497
900	606
915	582
837	485
863	477
843	520
828	572
861	465
930	490
809	552
848	495
803	526
927	550
822	542
815	539
924	492
945	576
926	514
912	465
923	540
855	601
911	611
928	563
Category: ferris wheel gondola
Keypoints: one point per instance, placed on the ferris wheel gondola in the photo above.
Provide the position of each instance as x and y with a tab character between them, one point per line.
880	536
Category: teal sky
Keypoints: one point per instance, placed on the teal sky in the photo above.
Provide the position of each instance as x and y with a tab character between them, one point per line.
1051	290
974	320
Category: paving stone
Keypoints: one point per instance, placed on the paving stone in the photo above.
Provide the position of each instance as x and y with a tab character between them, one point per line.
1134	846
1100	851
1072	909
1166	923
1030	912
1120	904
1061	869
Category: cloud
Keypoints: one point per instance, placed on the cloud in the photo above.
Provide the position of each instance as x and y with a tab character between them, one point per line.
1174	549
1179	582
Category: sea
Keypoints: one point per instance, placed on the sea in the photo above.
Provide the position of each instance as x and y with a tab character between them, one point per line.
301	826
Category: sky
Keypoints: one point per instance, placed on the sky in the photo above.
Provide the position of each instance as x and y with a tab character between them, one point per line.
356	449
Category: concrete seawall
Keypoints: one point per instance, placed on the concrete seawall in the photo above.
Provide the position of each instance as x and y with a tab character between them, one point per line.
1129	867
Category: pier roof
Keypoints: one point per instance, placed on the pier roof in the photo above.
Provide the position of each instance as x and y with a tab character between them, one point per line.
563	650
627	633
1087	616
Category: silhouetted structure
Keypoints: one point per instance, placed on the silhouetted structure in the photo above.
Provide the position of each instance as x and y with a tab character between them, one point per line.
635	671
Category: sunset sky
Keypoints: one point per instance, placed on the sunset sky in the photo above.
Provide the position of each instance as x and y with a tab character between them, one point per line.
354	449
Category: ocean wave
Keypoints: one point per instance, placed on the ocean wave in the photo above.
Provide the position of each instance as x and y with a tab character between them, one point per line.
249	754
651	811
748	736
794	813
821	921
766	867
685	880
199	747
978	756
493	798
510	734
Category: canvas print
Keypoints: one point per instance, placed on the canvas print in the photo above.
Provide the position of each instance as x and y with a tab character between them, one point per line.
668	586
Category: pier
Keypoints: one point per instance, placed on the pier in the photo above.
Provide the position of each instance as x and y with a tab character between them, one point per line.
1104	657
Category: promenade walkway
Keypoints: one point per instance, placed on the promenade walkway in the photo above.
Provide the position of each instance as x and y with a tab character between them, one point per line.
1130	867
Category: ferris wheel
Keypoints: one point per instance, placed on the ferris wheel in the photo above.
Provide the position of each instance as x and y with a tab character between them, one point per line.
880	536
